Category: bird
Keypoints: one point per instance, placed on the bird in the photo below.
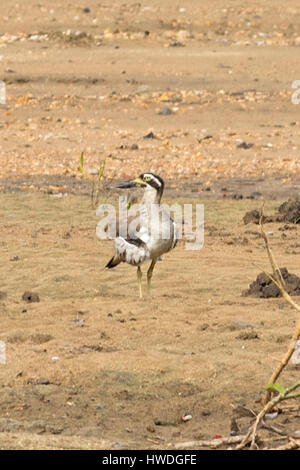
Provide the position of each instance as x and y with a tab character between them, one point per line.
153	234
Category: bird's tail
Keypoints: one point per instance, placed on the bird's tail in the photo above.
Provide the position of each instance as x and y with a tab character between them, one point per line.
115	260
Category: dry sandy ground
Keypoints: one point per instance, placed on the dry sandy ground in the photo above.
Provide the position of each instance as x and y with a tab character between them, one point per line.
91	365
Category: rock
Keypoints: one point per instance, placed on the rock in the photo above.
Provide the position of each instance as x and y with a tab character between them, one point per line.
176	44
244	145
165	111
149	136
243	324
186	417
206	137
30	297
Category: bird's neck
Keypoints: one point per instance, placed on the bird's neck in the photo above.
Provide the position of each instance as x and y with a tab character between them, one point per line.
151	196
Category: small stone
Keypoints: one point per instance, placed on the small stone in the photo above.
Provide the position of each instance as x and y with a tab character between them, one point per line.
149	136
42	381
134	147
244	145
187	417
176	44
165	111
86	10
243	324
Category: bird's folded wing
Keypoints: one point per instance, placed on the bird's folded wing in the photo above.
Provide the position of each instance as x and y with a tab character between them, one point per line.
133	251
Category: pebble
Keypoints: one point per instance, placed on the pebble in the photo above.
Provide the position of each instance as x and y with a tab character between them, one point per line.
165	111
244	145
243	324
187	417
149	136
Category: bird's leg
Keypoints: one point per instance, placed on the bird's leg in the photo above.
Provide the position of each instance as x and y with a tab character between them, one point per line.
149	275
139	277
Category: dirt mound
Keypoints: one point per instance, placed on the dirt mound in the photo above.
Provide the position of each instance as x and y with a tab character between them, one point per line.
263	286
30	297
289	211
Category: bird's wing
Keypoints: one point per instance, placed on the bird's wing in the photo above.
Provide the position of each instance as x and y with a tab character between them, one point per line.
133	251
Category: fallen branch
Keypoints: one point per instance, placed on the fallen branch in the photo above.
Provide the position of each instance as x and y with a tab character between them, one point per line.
213	443
291	445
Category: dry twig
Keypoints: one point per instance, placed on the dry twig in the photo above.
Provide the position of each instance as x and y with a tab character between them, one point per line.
277	279
283	394
212	443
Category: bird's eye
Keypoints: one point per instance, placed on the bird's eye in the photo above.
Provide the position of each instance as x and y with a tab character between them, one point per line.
147	178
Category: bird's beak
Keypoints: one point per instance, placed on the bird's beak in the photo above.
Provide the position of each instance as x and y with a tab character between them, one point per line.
137	182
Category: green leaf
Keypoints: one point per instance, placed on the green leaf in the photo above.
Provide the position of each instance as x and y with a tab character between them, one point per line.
81	160
276	388
80	166
101	170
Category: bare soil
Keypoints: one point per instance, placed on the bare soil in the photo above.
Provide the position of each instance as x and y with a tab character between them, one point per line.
90	365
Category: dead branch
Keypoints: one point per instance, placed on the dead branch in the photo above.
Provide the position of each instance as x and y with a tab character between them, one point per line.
213	443
291	445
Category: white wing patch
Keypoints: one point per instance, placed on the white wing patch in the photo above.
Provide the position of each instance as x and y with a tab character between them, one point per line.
131	252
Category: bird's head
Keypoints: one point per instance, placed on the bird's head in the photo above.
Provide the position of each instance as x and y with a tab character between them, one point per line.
148	181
